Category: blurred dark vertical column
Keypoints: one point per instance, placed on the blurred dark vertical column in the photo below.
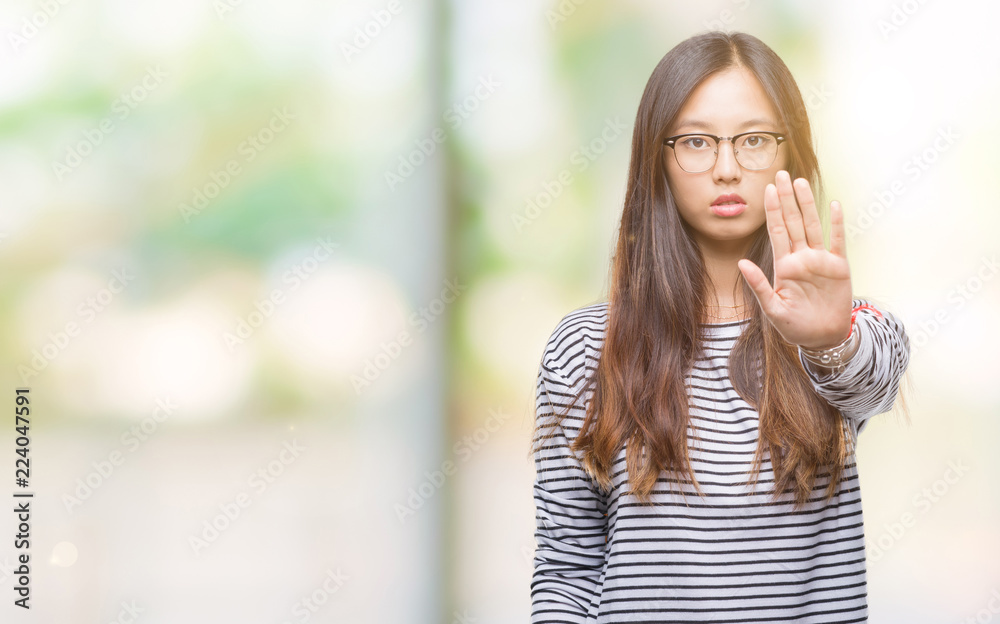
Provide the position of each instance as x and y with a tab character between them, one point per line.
441	77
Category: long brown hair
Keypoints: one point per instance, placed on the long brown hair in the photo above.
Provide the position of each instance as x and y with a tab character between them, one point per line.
657	296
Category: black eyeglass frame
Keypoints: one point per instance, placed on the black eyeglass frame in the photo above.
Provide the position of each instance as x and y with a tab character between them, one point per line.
779	138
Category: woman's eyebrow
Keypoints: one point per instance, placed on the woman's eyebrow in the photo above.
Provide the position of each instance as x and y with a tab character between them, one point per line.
704	125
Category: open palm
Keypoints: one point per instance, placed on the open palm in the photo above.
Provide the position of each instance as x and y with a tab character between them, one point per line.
810	303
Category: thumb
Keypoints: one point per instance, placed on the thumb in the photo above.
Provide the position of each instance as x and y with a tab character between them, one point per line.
758	283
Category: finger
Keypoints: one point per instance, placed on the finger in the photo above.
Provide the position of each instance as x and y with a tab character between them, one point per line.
775	223
838	235
790	211
810	216
758	283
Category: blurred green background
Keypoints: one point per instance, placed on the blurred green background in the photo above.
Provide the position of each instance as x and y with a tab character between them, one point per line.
279	276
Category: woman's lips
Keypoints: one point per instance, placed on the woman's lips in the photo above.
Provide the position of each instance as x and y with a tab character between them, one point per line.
728	210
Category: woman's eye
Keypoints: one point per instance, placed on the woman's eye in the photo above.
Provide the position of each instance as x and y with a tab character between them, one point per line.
695	142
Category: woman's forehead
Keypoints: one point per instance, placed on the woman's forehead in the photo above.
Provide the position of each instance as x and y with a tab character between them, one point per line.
730	101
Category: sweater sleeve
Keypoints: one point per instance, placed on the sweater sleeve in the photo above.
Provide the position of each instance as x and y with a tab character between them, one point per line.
571	524
869	382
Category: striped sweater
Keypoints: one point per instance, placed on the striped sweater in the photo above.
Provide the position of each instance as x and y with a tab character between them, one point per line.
729	557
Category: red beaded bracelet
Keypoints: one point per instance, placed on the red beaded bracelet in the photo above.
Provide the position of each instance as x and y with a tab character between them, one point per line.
854	312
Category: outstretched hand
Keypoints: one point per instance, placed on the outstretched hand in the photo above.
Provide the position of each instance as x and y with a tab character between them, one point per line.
810	303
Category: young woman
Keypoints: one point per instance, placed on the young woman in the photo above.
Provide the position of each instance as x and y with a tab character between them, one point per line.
695	434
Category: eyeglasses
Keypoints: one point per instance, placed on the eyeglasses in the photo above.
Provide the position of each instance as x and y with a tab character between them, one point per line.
698	152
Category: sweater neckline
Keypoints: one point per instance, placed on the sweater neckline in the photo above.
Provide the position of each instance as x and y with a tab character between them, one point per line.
727	324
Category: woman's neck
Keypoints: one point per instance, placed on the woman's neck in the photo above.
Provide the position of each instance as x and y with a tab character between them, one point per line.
724	284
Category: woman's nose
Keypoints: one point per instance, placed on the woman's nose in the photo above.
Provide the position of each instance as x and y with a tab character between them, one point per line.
725	161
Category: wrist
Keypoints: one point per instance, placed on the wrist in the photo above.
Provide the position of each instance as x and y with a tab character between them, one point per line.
834	357
831	343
